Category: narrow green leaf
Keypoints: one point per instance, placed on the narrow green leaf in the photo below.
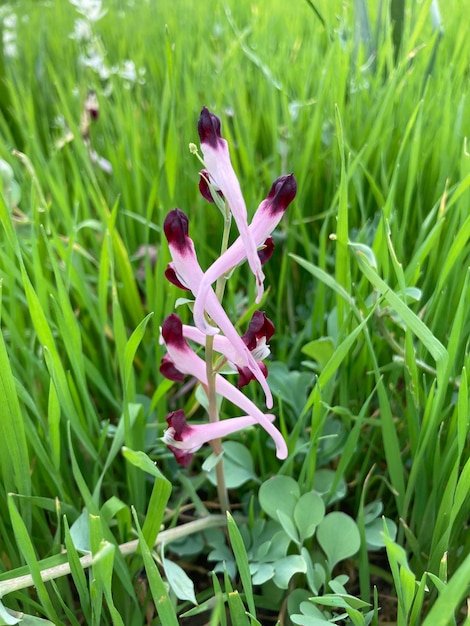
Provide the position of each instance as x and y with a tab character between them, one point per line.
131	348
14	457
53	422
237	609
26	547
241	558
343	269
158	590
160	494
412	321
463	412
78	573
143	461
339	355
103	561
450	598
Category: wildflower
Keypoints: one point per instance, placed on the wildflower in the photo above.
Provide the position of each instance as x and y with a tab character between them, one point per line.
265	220
222	175
185	272
181	360
184	440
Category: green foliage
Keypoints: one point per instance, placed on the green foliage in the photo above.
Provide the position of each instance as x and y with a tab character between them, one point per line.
368	289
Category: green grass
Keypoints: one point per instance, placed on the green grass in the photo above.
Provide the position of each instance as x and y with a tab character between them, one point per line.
372	257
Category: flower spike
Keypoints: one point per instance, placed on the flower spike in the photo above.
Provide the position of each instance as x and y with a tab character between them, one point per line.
186	272
218	164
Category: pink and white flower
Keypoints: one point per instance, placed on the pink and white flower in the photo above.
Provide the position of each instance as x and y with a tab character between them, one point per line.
185	272
184	440
217	161
265	220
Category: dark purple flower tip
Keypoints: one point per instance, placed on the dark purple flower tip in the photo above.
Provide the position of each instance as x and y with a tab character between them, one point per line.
92	106
177	421
176	228
245	375
172	331
204	186
266	252
171	276
260	327
183	457
168	369
282	193
208	127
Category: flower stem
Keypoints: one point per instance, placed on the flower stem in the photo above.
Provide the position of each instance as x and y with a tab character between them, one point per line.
216	444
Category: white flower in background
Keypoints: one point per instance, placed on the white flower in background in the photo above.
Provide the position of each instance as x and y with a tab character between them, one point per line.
130	74
94	59
82	30
10	20
90	9
93	54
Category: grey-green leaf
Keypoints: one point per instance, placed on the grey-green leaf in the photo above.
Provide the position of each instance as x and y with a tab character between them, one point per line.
308	513
179	581
338	536
279	493
285	568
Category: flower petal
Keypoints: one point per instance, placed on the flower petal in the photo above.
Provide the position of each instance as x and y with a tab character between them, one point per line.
223	346
265	220
260	327
260	330
184	440
217	161
204	188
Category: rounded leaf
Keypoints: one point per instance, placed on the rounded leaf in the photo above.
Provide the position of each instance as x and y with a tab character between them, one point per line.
323	482
279	493
264	572
308	513
285	568
6	171
238	465
338	536
311	615
375	533
372	511
179	581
